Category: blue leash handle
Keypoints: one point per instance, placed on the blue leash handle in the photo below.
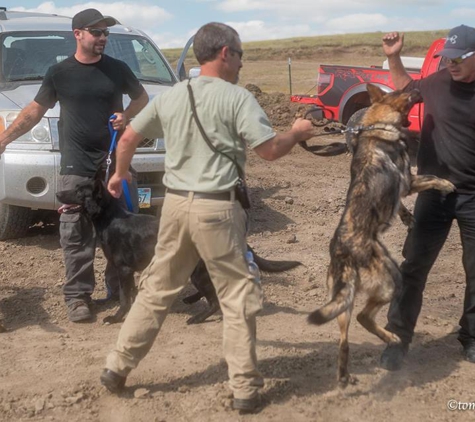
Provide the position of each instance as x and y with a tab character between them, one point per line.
113	145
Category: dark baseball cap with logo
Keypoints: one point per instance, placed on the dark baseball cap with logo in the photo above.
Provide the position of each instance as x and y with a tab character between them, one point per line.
460	41
90	17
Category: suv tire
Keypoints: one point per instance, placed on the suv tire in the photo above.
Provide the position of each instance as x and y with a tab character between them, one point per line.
14	221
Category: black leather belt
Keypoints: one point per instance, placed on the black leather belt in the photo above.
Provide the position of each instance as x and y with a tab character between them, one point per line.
220	196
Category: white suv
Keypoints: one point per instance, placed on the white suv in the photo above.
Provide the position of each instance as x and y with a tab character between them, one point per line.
30	43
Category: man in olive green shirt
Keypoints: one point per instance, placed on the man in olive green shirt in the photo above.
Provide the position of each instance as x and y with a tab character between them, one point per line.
201	216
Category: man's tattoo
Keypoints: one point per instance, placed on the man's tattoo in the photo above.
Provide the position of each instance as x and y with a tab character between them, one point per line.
20	127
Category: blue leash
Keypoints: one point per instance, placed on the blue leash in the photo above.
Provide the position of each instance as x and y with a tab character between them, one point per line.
125	188
113	145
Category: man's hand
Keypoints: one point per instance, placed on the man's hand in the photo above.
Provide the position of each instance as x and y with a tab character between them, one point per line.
120	122
392	43
2	149
115	184
304	129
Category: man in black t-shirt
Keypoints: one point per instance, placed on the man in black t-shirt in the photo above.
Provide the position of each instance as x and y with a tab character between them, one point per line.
447	150
89	87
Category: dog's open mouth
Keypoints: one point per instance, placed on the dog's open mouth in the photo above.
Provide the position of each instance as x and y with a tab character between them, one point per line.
69	209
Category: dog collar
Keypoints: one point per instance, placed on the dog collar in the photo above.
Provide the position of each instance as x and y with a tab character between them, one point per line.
394	132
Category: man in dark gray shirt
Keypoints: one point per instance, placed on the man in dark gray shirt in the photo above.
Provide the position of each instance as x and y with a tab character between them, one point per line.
447	150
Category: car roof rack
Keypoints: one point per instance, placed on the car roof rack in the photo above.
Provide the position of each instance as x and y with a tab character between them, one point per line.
6	15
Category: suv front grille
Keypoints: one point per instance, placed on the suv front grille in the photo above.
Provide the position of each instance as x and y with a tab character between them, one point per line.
152	180
147	143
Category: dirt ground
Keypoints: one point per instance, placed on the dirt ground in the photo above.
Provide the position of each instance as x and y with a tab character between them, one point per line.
49	367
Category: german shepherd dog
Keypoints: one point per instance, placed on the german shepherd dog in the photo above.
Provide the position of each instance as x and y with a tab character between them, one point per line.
380	177
128	241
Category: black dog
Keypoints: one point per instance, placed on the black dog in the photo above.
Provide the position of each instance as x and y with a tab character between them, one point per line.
128	241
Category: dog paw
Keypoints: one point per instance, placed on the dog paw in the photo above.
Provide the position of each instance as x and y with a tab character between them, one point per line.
346	380
408	220
447	187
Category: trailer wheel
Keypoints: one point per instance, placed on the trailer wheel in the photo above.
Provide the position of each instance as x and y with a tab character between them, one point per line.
14	221
353	121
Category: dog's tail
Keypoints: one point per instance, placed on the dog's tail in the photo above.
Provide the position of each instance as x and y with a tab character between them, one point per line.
270	266
340	302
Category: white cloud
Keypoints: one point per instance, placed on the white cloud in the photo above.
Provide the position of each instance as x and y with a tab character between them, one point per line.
258	30
168	40
139	15
465	14
357	22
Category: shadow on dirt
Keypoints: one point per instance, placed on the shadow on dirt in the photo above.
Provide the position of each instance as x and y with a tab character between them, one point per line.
44	237
263	217
315	372
23	308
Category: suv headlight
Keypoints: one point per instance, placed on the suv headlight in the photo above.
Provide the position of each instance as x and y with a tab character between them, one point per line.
40	134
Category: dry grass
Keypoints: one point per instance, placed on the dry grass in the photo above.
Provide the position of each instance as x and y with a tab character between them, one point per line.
265	63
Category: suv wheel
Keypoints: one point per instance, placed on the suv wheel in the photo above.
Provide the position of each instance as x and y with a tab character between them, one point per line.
14	221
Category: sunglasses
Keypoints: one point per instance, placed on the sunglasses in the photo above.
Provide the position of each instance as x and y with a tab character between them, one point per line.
97	32
238	52
459	60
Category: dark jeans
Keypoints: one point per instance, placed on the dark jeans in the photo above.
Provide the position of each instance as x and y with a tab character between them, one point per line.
433	219
78	241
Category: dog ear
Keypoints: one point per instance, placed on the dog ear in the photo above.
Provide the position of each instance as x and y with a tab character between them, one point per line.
90	202
376	94
97	188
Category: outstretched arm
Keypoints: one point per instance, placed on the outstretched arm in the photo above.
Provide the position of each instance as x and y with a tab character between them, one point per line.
282	143
26	120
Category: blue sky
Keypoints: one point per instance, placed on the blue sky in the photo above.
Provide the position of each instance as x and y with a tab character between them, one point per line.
171	23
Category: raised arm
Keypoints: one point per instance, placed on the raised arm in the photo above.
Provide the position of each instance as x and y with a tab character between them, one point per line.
392	46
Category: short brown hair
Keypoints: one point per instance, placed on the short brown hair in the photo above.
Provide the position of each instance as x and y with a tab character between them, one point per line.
211	38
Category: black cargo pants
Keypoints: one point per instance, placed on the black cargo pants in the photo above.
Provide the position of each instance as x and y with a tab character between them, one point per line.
78	241
434	215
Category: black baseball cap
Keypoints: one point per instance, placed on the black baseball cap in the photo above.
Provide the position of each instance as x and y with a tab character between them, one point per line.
460	41
90	17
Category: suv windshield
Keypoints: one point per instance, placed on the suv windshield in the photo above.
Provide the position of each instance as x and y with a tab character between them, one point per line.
28	55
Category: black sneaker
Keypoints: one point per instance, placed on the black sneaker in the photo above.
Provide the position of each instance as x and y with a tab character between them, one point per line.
469	352
112	381
393	356
244	406
78	311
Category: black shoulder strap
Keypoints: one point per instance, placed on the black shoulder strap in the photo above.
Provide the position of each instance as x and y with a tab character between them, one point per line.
203	133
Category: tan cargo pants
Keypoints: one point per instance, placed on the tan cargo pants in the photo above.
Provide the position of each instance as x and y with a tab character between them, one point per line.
214	230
